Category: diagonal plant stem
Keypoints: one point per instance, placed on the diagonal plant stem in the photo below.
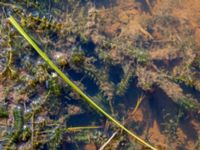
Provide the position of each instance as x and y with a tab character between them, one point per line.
108	141
73	86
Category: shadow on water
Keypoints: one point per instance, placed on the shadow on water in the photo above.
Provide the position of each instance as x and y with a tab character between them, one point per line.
144	5
89	48
85	119
190	90
68	146
162	106
91	87
189	129
124	103
116	73
63	146
76	76
169	65
164	109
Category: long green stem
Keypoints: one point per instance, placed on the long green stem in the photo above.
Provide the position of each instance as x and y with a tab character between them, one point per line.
68	81
82	128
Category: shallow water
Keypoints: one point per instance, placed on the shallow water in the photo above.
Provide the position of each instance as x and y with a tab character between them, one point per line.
138	60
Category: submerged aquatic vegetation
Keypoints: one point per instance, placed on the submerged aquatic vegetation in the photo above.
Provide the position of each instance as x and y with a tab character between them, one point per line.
139	101
3	111
171	125
67	80
188	104
56	138
112	50
8	72
18	127
18	119
77	59
53	85
124	83
196	63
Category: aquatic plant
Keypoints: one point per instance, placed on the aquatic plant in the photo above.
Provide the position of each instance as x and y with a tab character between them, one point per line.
77	59
171	124
67	80
139	101
187	80
53	84
3	111
56	138
26	133
196	63
41	74
124	83
188	104
18	119
18	127
93	73
8	72
86	42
